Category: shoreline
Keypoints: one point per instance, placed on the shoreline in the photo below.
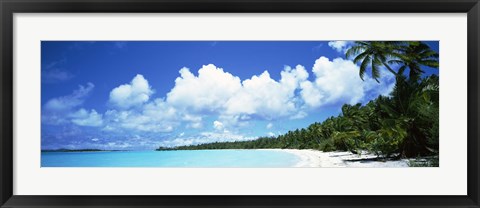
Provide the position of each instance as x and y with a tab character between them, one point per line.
316	158
309	158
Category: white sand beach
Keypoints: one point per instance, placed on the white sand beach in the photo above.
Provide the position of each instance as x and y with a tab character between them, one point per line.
315	158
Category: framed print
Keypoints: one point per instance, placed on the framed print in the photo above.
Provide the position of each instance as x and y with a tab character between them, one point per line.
239	104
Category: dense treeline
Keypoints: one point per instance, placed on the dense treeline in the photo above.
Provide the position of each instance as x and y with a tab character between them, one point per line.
403	124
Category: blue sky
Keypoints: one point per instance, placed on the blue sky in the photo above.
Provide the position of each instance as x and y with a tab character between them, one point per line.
141	95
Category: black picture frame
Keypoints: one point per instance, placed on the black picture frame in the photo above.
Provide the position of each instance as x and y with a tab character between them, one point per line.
10	7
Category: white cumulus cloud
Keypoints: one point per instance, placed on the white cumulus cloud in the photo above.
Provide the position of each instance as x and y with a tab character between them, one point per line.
269	125
218	125
219	92
263	96
194	121
133	94
206	92
340	46
337	81
155	116
84	118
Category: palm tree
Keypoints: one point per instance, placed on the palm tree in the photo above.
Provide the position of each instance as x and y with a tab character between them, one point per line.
374	54
414	55
408	116
355	115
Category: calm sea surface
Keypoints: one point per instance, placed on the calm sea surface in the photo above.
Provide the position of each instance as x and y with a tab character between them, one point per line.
186	158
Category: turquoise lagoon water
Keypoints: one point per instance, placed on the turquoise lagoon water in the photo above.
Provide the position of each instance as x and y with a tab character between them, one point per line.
184	158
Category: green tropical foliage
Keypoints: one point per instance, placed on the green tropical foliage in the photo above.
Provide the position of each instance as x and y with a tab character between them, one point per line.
414	55
374	54
404	124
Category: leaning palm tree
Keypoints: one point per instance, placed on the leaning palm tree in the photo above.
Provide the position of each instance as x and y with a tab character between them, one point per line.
414	55
374	54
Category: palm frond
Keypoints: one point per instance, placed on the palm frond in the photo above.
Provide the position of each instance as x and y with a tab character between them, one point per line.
363	43
363	66
354	50
429	63
428	54
360	57
401	70
395	61
375	72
